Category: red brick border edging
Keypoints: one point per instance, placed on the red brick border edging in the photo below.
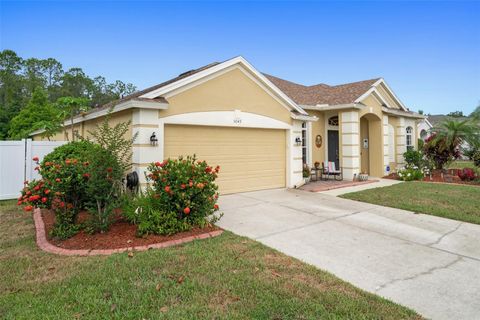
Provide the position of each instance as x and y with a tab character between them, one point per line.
43	243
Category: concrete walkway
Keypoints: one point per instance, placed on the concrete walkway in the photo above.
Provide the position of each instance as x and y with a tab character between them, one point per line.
427	263
377	184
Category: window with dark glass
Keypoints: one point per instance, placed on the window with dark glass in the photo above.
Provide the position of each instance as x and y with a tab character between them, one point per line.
409	140
304	142
333	121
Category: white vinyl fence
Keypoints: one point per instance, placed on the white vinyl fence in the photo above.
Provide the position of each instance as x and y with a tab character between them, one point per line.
16	164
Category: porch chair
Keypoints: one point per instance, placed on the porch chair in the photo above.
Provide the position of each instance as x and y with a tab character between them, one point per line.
330	170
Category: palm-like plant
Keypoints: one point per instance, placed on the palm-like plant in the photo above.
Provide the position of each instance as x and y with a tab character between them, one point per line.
448	138
451	134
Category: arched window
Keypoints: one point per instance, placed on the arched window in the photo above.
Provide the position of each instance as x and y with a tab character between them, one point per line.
333	121
423	134
409	139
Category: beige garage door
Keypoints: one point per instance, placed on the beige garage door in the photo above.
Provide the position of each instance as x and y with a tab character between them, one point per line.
250	159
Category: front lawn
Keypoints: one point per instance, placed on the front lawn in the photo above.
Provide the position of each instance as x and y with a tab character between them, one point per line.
460	164
443	200
224	277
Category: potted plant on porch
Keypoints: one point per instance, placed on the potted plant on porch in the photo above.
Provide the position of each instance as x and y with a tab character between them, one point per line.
362	176
306	173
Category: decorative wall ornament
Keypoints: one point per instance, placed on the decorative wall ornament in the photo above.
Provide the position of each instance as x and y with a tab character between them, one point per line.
318	141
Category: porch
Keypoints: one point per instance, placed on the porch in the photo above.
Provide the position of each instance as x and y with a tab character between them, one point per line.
325	185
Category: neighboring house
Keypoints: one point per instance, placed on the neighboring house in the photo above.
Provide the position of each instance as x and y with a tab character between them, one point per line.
261	129
423	129
436	119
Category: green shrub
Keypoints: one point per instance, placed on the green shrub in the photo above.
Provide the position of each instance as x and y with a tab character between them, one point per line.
183	195
68	181
144	211
84	175
476	158
413	158
73	150
103	177
410	174
117	140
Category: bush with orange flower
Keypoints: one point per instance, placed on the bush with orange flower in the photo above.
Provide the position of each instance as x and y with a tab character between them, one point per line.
183	194
92	182
35	194
66	180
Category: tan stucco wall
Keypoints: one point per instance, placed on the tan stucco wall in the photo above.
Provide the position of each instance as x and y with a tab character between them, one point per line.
375	133
89	125
230	91
393	121
364	153
373	114
318	128
388	97
373	106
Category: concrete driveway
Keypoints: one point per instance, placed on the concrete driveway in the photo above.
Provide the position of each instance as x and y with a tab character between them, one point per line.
429	264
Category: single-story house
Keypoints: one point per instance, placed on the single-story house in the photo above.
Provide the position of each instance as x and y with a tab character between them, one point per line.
262	129
424	128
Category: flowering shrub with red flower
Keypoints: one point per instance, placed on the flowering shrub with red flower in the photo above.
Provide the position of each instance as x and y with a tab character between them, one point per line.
67	182
466	174
183	194
437	150
35	194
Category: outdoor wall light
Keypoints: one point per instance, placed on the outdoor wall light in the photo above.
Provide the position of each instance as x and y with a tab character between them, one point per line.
298	141
153	139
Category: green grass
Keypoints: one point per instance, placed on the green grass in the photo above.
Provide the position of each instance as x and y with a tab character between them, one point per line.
224	277
449	201
460	164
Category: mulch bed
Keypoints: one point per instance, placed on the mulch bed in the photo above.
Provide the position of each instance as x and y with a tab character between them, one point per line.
121	235
450	177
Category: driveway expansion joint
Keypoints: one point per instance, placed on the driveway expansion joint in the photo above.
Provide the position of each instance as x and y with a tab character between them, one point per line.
407	240
306	225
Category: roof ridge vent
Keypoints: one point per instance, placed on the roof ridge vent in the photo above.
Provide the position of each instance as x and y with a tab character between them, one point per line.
186	72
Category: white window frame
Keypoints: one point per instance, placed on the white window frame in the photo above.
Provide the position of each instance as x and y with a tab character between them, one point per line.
409	137
305	143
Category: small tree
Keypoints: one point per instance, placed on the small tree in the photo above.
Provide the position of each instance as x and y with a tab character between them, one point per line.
115	139
104	176
36	115
70	107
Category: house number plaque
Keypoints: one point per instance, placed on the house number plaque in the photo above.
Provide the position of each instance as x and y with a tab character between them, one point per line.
237	117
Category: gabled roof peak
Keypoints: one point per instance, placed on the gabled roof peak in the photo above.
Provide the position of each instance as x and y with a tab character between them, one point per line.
323	93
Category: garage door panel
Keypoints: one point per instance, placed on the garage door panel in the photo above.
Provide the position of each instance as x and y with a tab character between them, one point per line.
250	159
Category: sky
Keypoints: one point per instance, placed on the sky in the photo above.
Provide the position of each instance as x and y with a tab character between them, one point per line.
428	52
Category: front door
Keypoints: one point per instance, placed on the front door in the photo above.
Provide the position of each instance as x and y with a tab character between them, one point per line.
333	147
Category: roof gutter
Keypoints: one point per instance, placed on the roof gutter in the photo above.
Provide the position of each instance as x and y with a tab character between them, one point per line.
407	114
326	107
139	103
303	117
